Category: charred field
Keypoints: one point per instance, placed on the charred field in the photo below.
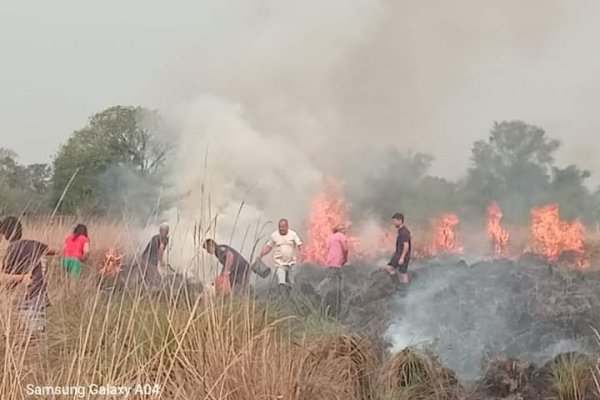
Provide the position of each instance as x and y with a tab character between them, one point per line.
500	327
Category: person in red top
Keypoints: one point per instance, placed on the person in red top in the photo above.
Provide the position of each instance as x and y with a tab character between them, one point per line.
76	250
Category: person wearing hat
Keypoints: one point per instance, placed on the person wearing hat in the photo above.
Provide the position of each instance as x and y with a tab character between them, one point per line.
337	249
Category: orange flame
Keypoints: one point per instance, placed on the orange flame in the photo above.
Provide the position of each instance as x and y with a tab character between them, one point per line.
329	208
552	237
445	240
113	261
497	234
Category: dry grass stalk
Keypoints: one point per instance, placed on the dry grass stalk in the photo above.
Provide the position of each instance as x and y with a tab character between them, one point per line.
571	376
417	374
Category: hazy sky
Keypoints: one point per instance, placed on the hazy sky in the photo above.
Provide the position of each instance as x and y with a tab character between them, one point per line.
436	74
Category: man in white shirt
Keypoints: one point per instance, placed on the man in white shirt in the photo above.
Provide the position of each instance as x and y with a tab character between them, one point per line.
288	247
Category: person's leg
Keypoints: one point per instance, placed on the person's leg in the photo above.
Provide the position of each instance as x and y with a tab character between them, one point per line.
76	269
285	280
336	277
238	280
403	273
34	315
72	266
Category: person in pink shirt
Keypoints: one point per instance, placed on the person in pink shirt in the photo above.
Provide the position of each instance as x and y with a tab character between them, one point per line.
337	257
337	248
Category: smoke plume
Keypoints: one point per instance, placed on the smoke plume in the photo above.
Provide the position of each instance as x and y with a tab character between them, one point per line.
275	94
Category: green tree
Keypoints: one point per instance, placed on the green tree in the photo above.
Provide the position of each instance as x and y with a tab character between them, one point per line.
568	189
513	167
389	181
23	188
119	140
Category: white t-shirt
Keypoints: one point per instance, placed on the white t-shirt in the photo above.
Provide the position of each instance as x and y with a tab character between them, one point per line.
285	247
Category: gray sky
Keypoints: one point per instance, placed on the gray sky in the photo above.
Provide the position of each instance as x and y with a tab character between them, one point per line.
66	59
432	77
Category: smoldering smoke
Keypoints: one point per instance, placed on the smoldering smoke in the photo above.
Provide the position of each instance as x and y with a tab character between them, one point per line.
470	313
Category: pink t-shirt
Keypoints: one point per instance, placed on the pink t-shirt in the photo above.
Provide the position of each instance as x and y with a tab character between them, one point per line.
74	246
337	246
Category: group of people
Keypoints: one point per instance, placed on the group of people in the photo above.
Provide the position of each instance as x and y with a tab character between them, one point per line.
25	261
285	245
287	248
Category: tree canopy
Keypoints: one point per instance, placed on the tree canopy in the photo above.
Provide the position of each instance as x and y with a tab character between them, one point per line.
23	188
515	166
118	163
121	151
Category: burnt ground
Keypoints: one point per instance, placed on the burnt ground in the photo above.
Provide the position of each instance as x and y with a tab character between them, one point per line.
524	312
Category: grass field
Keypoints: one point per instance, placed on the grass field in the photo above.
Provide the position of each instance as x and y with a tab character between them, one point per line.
210	348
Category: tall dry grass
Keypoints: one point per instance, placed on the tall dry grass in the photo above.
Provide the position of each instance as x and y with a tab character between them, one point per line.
208	348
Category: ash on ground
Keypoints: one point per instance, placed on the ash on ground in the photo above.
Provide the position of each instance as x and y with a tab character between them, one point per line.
468	314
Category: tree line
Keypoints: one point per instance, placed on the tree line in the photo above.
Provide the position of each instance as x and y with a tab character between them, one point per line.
116	166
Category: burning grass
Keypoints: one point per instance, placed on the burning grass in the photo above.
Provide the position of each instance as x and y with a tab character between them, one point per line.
220	347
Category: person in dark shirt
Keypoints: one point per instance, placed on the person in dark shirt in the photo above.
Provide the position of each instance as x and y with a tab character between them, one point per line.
398	265
234	265
155	250
25	262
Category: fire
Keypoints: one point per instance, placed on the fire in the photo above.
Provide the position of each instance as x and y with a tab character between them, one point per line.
498	235
113	261
445	239
329	208
552	237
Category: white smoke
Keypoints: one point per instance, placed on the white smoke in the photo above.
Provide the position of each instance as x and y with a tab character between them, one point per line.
269	96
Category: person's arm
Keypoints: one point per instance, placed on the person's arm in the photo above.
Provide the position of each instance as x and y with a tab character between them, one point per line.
268	247
404	239
161	250
404	252
266	250
86	251
11	279
299	246
345	249
396	257
229	257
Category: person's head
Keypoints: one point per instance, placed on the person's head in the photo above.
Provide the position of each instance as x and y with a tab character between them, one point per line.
341	228
80	230
398	220
210	246
164	229
11	228
284	226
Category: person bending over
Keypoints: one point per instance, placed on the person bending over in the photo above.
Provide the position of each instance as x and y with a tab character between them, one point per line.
76	251
235	267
